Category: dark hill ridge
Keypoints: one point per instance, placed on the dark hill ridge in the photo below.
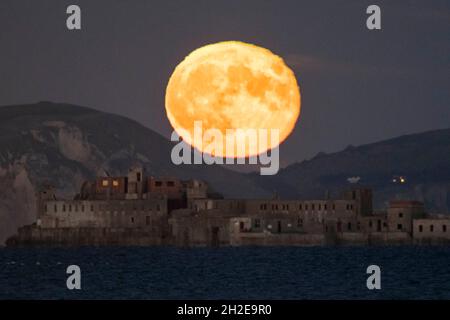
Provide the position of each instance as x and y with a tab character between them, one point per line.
64	145
423	159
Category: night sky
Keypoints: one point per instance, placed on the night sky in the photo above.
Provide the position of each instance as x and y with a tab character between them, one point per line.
358	86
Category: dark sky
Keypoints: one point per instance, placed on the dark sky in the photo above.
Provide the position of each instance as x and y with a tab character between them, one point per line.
358	86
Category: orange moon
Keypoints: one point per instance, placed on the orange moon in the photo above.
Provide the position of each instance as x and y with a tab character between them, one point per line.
233	85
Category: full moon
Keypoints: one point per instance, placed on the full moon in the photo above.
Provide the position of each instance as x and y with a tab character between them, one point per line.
233	85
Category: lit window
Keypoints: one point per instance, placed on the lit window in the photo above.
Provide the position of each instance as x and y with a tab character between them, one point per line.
115	183
105	183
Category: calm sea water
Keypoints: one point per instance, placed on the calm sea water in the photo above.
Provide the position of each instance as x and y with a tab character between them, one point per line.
226	273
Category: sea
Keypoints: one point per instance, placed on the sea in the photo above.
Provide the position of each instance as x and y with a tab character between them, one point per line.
406	272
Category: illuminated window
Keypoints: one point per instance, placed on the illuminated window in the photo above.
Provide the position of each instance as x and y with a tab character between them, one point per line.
105	183
115	183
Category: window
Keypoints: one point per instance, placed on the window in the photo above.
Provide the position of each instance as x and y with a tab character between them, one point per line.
105	183
334	206
349	226
370	223
138	176
70	208
55	208
300	207
92	207
400	214
132	219
158	183
257	223
320	207
399	226
444	228
325	206
45	208
306	206
158	207
147	220
115	183
64	208
431	228
170	183
82	208
348	207
312	206
421	228
300	222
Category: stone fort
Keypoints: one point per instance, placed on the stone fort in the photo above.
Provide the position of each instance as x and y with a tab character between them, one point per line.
143	210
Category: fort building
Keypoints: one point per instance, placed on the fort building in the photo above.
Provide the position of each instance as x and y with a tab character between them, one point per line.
138	209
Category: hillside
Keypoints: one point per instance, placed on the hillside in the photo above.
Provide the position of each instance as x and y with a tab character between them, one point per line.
64	145
422	159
